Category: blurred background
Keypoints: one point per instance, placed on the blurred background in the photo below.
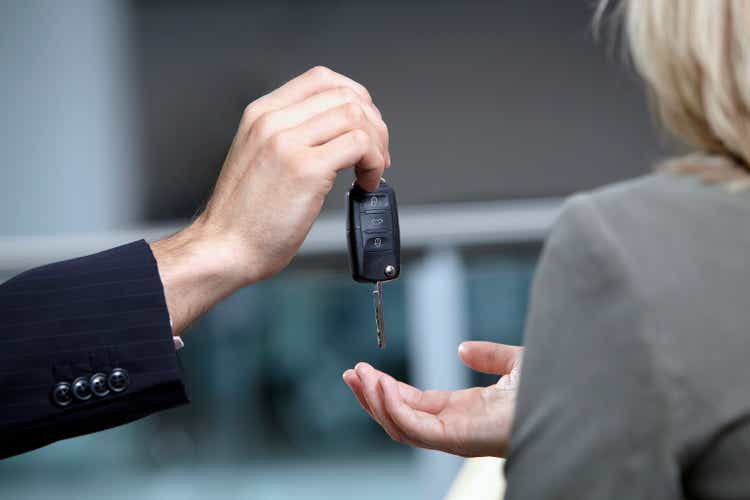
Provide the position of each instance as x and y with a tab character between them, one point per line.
116	116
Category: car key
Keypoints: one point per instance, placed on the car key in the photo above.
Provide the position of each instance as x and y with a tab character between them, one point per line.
374	242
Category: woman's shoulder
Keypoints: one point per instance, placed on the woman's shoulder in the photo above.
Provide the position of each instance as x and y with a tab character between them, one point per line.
662	193
658	226
656	209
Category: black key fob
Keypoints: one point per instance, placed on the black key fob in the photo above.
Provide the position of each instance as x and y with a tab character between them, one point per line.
372	234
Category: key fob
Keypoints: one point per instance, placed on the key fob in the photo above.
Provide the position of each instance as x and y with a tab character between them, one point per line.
372	234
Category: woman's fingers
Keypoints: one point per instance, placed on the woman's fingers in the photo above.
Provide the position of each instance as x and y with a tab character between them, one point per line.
426	401
490	357
469	422
418	427
357	387
352	380
405	413
374	397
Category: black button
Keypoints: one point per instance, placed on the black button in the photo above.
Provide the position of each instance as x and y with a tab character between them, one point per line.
98	384
373	202
378	221
81	389
61	394
376	243
118	380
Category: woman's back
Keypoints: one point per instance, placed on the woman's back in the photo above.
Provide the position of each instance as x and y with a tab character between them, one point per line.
635	378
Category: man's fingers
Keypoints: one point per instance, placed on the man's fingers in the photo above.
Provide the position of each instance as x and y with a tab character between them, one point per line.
313	120
353	148
330	124
490	357
352	380
311	82
374	397
368	176
296	114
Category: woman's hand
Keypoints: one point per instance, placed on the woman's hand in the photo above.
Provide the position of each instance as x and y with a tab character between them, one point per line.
470	422
289	146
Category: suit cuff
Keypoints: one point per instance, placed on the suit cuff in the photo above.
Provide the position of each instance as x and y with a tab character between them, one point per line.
88	343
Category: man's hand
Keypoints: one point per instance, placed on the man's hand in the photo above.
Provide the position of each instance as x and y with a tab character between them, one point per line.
289	146
470	422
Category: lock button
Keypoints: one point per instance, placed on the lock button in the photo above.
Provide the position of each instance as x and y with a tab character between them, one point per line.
372	202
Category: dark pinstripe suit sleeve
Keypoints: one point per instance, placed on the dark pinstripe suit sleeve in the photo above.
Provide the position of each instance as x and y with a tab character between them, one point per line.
75	319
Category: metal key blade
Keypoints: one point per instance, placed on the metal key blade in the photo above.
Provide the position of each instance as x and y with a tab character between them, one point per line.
377	296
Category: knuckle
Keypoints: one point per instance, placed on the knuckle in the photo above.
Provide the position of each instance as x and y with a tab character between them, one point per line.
279	145
297	165
354	112
360	138
262	125
375	111
346	94
320	72
386	132
303	167
366	92
250	112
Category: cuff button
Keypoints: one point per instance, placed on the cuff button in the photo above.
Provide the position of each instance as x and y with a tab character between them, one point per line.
99	385
61	394
118	380
82	389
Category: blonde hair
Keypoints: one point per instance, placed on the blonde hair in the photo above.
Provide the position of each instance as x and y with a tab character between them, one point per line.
694	56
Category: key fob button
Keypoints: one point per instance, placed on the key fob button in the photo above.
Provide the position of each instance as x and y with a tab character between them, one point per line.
376	221
373	202
376	243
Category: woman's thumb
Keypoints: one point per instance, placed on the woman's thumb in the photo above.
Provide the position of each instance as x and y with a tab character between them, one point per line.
490	357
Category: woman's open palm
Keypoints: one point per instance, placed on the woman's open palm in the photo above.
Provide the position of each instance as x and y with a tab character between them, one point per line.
468	422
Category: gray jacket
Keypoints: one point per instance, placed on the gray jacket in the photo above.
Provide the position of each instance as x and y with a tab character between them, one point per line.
636	377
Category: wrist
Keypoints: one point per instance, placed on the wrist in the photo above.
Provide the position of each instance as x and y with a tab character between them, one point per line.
198	268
